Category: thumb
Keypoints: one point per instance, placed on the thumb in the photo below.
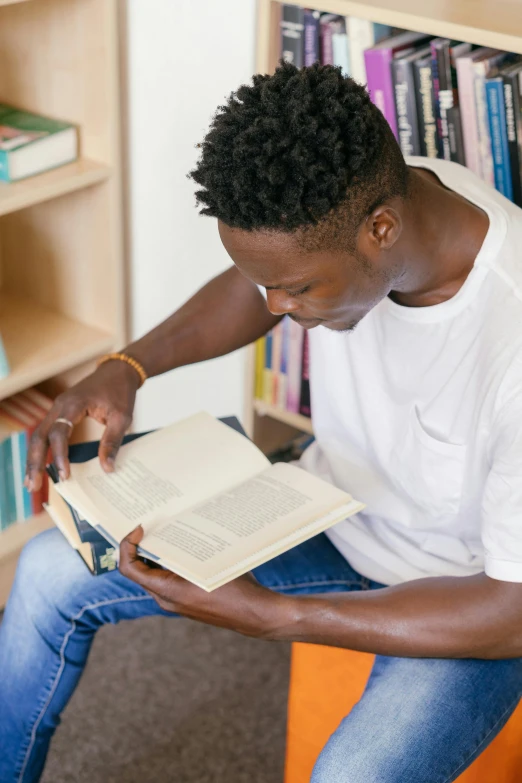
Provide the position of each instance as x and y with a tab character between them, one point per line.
135	536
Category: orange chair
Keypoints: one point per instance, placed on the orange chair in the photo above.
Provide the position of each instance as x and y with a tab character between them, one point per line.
316	706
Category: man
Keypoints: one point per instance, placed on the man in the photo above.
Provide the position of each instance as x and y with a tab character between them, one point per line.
416	412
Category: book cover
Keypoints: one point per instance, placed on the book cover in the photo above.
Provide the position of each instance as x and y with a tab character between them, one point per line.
295	364
267	373
405	100
455	136
277	347
340	45
468	114
4	507
4	364
259	368
378	71
292	29
428	138
282	386
311	36
362	34
482	68
304	402
512	77
444	53
498	132
30	143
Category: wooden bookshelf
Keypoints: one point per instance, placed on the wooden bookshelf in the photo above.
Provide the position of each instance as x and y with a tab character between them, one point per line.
61	244
496	24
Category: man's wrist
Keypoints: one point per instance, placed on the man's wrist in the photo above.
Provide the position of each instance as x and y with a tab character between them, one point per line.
281	618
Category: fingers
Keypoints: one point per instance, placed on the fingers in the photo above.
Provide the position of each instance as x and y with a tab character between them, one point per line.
117	426
131	565
50	433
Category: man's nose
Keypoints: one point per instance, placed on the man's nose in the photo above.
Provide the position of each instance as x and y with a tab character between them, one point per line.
280	303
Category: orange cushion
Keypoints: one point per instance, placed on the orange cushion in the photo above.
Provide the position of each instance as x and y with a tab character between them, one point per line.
316	706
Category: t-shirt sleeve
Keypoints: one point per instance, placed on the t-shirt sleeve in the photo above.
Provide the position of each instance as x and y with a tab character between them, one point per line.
262	291
502	499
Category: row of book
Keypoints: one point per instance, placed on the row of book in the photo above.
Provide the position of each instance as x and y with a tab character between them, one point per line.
19	417
442	98
282	377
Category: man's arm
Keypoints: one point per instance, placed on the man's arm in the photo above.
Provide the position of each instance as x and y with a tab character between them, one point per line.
441	617
227	313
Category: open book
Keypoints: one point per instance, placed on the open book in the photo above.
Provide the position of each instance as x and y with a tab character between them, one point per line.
211	504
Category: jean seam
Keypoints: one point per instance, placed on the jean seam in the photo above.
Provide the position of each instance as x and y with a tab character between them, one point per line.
481	744
61	668
291	585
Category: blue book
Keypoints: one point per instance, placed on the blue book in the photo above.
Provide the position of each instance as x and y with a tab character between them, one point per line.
4	364
4	515
499	139
19	454
9	488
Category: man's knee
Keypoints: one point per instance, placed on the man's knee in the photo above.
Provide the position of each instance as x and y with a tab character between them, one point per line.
342	762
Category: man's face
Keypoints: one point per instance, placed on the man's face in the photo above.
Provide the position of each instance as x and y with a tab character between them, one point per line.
328	288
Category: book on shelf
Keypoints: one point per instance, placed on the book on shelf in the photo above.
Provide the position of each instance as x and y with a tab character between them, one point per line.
378	61
292	34
31	144
444	53
304	401
406	104
362	34
4	364
512	77
211	504
422	74
498	133
19	417
311	53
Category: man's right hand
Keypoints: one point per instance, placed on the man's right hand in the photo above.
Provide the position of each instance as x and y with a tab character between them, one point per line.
108	396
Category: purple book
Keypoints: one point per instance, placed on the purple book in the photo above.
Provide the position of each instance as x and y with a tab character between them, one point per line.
326	31
311	36
378	61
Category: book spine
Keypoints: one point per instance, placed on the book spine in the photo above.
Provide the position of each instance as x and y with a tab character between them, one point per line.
326	42
9	481
267	374
277	346
4	515
292	28
4	166
484	137
455	136
380	85
24	445
445	94
406	107
341	54
4	364
512	113
361	37
295	362
425	115
283	374
498	132
304	404
468	114
311	36
436	101
104	557
18	479
260	366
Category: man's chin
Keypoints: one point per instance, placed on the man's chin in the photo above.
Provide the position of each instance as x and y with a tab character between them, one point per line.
336	326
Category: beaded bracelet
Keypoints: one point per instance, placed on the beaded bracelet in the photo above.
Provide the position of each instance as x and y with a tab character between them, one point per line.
122	357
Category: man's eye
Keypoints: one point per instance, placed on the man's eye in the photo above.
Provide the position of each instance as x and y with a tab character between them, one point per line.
298	293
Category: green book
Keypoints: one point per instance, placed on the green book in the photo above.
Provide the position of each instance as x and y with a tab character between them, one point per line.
4	364
30	143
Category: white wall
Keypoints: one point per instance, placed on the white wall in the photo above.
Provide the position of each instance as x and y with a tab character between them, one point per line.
184	58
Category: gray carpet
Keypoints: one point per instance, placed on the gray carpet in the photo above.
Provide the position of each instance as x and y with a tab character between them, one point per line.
173	700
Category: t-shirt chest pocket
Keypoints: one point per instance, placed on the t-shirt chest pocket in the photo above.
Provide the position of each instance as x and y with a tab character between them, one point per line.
428	470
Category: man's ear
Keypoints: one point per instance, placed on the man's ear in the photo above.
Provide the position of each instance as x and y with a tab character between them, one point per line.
382	228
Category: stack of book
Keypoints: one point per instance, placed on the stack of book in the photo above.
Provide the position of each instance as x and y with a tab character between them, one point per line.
442	98
19	417
282	368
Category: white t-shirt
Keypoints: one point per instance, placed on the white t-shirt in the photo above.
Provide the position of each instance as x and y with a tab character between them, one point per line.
418	413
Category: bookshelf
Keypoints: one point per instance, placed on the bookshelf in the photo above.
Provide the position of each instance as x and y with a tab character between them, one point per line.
482	22
61	236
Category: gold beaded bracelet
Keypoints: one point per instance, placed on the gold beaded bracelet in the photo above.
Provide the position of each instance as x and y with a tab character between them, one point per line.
122	357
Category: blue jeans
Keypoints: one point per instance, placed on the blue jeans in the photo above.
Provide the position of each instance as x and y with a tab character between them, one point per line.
419	720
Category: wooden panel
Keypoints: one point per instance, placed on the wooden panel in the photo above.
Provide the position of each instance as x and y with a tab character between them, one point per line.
51	184
497	24
41	343
296	420
10	2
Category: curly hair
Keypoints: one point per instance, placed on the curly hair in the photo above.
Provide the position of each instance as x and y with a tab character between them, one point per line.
300	149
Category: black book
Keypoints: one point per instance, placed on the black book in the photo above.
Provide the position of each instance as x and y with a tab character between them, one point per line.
292	35
512	83
444	53
428	138
456	141
405	101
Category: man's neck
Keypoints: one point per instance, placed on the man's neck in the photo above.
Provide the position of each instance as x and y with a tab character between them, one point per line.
443	233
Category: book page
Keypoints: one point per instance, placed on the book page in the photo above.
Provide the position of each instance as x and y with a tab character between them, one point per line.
255	516
161	475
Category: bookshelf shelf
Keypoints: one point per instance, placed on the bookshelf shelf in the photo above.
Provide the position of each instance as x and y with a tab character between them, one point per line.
51	184
478	21
292	419
41	343
11	2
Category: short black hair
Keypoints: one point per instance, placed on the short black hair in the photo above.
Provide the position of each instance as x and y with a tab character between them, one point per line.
296	150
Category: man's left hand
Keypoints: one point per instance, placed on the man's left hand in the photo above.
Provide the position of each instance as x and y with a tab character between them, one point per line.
243	605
